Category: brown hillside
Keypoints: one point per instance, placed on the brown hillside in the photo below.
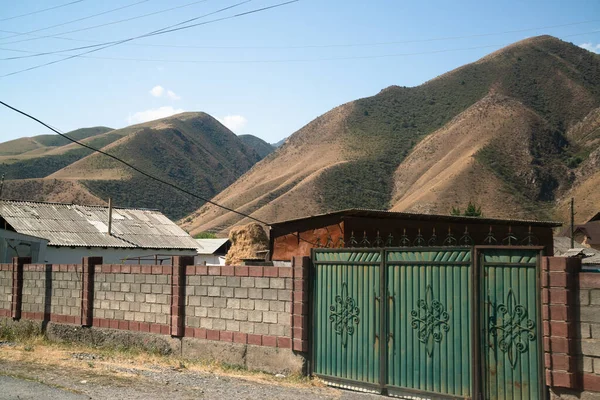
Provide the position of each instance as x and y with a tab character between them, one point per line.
513	132
190	150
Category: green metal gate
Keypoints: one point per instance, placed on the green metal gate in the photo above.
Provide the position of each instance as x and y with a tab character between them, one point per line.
428	322
510	324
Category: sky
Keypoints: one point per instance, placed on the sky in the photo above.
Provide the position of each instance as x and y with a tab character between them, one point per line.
266	73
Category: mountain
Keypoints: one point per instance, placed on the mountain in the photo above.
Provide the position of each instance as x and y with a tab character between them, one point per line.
278	144
192	150
261	147
516	132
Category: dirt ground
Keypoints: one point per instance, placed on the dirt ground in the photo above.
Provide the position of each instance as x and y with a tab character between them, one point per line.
45	370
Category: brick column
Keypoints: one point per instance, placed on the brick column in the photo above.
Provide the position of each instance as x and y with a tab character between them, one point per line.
300	317
560	325
17	285
88	265
179	264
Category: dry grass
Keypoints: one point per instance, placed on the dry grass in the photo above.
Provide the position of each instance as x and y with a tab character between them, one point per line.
123	363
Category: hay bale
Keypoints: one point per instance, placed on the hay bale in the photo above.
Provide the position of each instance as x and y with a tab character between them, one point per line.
246	241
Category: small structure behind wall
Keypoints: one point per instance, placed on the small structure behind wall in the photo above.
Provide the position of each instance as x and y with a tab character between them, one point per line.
13	244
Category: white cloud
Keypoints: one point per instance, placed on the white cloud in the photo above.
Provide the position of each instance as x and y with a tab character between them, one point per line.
591	47
152	114
234	122
171	94
157	91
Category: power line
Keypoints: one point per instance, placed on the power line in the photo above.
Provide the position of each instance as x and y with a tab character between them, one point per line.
171	28
130	165
41	11
36	37
75	20
371	44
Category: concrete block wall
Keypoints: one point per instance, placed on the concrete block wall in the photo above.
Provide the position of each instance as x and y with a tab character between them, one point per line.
588	313
52	289
245	304
134	297
5	289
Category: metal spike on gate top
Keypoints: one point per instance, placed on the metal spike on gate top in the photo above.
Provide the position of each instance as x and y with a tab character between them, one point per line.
466	239
510	239
378	241
341	244
419	240
450	239
365	242
433	240
318	243
353	242
404	240
530	239
490	238
390	241
329	243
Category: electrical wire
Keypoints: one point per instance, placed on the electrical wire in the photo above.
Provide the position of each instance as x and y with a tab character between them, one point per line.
138	170
169	29
41	11
330	45
56	35
75	20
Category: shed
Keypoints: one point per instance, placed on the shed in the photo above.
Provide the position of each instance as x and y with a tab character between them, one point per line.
74	231
376	228
212	251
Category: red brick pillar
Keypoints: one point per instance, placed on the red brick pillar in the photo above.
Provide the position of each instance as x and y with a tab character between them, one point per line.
17	285
88	265
179	264
300	317
560	326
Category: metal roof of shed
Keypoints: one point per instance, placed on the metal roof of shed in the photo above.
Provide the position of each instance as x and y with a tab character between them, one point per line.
209	246
366	213
87	226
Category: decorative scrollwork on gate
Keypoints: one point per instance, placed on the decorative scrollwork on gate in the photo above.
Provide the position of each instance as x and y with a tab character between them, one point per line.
511	328
430	319
344	314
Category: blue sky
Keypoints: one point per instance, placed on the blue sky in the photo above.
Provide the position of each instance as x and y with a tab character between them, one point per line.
267	73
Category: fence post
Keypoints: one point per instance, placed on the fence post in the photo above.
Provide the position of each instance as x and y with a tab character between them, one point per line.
88	266
17	285
560	326
179	264
300	323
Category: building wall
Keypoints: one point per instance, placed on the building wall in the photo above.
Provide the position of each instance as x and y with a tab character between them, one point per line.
13	244
132	294
74	255
209	259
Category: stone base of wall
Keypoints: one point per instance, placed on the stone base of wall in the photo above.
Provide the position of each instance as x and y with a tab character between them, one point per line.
255	358
567	394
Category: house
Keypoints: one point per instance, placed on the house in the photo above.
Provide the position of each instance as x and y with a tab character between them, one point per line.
64	233
212	251
588	234
375	228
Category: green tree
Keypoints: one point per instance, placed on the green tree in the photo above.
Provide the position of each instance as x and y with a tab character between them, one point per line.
472	210
205	235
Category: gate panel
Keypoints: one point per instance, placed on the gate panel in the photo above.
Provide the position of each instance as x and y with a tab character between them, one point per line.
347	316
429	321
510	342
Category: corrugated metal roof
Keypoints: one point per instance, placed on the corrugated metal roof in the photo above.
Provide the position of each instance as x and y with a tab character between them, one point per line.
87	226
362	212
209	246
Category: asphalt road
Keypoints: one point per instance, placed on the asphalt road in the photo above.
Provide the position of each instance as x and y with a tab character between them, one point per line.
21	389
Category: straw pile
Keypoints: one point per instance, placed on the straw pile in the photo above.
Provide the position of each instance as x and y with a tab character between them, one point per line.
246	241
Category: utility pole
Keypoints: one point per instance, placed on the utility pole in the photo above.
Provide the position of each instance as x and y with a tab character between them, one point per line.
572	222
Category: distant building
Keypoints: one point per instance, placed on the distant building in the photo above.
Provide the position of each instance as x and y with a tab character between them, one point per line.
64	233
588	234
212	251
